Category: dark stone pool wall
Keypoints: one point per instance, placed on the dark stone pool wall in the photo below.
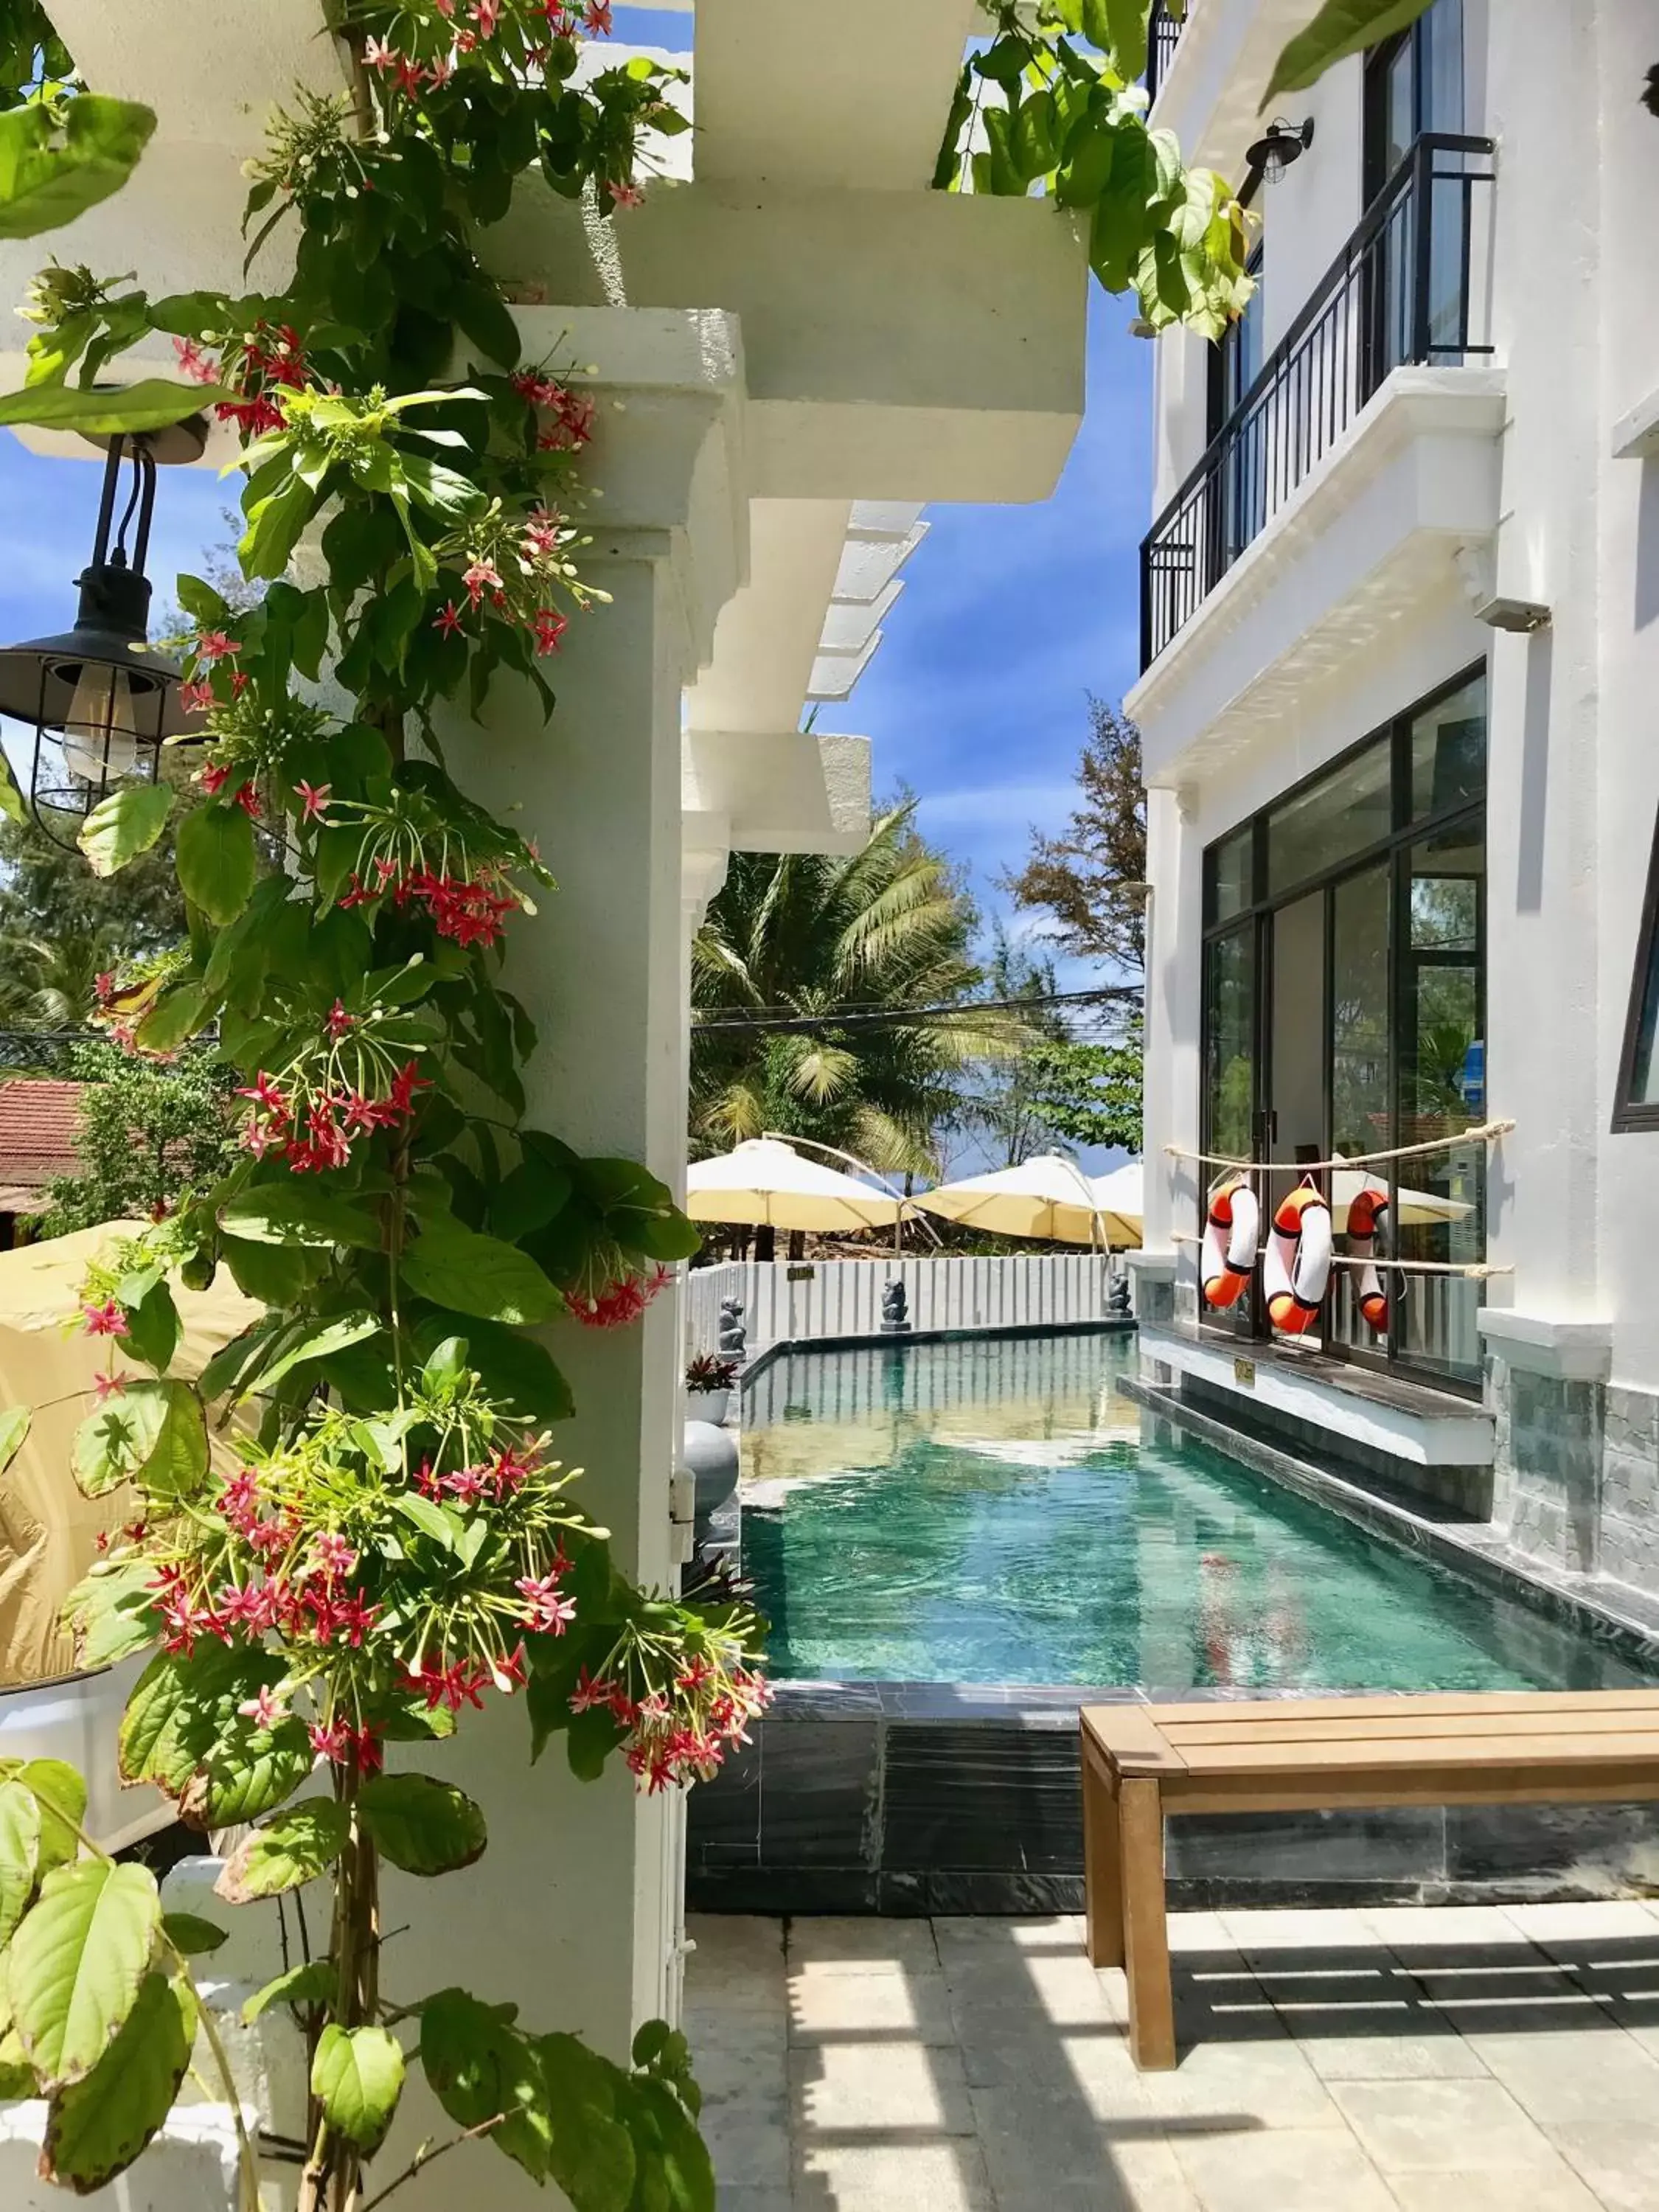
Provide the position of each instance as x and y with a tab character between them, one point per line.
922	1798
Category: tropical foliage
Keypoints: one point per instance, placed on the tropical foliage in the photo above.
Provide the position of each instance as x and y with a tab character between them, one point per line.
1090	880
840	949
151	1136
395	1542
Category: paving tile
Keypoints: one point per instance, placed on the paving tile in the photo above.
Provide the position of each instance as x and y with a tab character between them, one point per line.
738	2055
1032	2139
1062	1933
1288	2169
1611	1920
846	2007
1035	1991
1441	2127
934	2177
837	1945
1265	2084
1440	1924
741	2198
1265	1931
1199	1931
1134	2176
1441	2057
1597	2073
749	2143
1095	2060
1619	2164
875	2087
1512	2189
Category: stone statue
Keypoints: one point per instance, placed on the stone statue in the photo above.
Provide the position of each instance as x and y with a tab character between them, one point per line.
895	1310
734	1335
1117	1298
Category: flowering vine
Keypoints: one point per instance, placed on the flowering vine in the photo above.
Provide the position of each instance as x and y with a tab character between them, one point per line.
376	1535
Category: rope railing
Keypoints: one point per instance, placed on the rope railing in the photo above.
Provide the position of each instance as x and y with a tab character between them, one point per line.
1477	1270
1482	1133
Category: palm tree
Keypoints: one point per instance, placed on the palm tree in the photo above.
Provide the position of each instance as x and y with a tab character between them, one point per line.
831	942
52	983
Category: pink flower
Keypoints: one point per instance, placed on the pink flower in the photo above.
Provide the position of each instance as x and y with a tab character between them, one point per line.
196	698
545	1610
213	645
352	1619
591	1692
439	72
467	1483
487	14
314	799
339	1022
194	363
596	18
330	1740
541	534
106	1320
266	1093
264	1710
103	985
108	1386
334	1556
626	196
450	620
411	77
480	577
379	54
550	628
445	8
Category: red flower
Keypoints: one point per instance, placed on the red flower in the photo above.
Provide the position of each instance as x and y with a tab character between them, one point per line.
103	985
549	628
213	645
406	1082
267	1094
596	18
411	77
106	1320
213	779
591	1692
196	698
450	620
314	799
339	1022
367	1751
248	799
621	1302
626	196
351	1619
479	578
240	680
487	14
332	1739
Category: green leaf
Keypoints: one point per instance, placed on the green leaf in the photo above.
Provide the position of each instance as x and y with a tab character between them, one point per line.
110	1611
293	1213
357	2076
16	2074
474	1274
446	1366
97	2128
477	2064
152	1326
432	1520
1340	27
19	1853
124	824
594	2159
303	1841
313	1982
52	172
426	1827
152	403
177	1016
207	608
317	1343
194	1936
114	1443
1125	27
528	1199
486	318
675	2170
444	492
177	1465
515	1369
275	1274
13	1428
61	1794
77	1963
215	861
267	545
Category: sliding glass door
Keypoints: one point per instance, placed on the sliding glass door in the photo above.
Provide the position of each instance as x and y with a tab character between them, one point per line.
1344	1012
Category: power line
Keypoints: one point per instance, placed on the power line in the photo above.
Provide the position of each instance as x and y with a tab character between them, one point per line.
908	1016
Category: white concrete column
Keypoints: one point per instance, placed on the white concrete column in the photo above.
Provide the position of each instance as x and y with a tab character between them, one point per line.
1173	1108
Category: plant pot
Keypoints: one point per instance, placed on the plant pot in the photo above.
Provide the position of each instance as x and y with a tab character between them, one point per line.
710	1456
707	1406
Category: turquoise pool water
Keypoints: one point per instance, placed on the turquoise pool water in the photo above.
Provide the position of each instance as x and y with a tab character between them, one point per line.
986	1512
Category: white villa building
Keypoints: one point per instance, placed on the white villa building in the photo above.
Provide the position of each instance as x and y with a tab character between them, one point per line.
1401	653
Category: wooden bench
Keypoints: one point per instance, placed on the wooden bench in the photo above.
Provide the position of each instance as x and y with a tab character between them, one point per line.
1142	1764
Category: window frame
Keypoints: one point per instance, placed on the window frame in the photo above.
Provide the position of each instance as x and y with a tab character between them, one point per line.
1631	1115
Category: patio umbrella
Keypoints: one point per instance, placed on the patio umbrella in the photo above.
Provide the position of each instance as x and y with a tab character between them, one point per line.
1121	1196
1408	1209
1048	1197
768	1185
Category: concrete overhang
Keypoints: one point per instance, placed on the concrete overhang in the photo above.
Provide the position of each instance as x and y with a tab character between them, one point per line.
788	792
1367	543
1209	94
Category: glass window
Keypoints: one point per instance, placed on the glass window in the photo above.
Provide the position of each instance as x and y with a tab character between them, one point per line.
1344	813
1449	751
1361	1065
1638	1086
1232	874
1440	1214
1230	1042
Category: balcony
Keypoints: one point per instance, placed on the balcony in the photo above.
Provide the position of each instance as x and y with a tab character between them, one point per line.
1404	293
1163	34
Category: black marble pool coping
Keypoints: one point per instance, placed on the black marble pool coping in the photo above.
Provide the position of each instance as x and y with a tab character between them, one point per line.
1114	1326
1627	1626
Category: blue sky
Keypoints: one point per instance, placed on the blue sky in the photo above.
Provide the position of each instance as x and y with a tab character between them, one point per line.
976	699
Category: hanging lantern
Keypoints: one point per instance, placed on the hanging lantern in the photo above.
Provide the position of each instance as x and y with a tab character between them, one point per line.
1284	142
99	703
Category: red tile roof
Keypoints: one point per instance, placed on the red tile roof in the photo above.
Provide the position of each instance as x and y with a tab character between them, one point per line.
37	1130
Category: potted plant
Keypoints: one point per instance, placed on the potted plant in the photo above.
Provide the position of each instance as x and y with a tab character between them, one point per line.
709	1382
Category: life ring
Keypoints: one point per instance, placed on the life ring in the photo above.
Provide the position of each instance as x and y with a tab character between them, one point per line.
1229	1240
1298	1267
1367	1214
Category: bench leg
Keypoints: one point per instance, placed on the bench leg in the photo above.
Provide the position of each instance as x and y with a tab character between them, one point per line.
1145	1929
1102	1868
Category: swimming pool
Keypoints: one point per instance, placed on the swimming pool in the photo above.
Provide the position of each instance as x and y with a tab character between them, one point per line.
985	1511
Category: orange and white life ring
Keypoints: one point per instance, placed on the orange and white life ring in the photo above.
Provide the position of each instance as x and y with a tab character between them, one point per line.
1298	1265
1366	1216
1230	1239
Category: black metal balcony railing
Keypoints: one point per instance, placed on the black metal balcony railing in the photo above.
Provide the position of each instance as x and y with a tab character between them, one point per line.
1399	294
1164	32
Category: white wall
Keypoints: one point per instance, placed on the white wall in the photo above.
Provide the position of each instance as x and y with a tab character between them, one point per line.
842	1297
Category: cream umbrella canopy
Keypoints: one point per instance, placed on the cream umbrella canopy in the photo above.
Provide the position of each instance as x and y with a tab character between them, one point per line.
766	1184
1408	1209
1121	1196
1048	1197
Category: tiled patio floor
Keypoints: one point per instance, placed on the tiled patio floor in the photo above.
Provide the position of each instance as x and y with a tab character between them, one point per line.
1472	2059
